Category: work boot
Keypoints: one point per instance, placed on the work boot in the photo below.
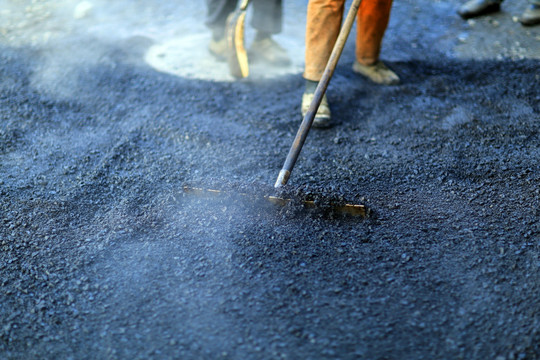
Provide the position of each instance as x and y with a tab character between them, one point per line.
473	8
269	51
218	48
322	118
378	73
531	16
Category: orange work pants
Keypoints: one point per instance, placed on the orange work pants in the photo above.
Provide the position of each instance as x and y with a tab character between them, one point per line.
324	19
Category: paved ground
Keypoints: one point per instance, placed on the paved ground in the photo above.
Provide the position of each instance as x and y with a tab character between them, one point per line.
108	109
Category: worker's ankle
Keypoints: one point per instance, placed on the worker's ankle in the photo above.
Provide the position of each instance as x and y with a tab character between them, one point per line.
311	86
261	35
367	62
218	34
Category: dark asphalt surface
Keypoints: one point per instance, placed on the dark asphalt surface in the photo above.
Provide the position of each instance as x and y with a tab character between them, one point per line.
103	255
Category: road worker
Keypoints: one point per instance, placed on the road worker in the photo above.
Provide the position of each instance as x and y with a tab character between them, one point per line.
267	20
324	18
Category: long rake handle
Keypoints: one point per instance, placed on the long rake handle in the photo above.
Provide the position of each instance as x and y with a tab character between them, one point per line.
244	4
303	131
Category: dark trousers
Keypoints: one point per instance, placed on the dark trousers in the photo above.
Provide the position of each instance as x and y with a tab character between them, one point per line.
267	14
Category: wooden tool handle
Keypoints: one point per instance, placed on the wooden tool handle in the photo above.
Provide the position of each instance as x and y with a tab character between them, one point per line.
303	131
244	4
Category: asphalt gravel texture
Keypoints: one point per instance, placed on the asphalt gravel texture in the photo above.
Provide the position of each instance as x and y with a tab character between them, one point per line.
104	256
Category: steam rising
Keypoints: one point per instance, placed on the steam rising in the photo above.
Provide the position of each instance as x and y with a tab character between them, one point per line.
69	30
186	54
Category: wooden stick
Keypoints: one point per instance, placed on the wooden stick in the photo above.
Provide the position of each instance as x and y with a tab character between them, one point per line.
303	131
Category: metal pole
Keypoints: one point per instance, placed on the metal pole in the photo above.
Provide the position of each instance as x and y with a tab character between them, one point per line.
303	131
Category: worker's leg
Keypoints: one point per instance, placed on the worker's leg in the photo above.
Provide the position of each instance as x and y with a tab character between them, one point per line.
267	16
322	29
267	20
216	15
372	20
217	12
